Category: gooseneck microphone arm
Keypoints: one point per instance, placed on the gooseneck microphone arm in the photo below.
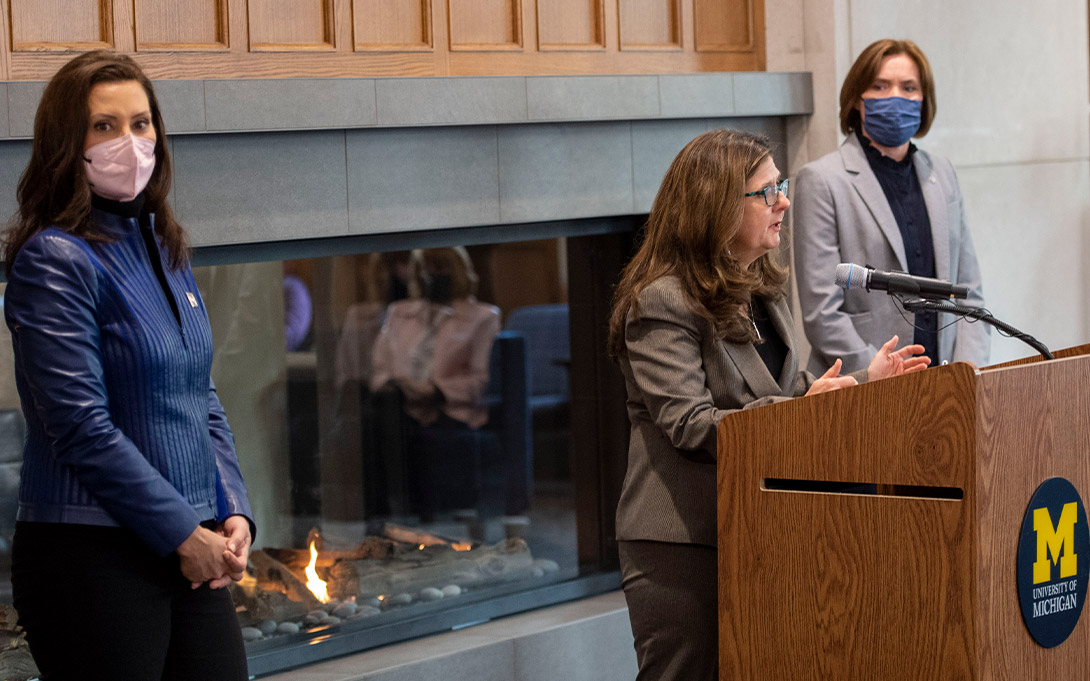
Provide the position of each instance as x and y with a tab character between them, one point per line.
975	313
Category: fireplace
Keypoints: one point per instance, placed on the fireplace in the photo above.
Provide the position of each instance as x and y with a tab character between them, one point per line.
380	519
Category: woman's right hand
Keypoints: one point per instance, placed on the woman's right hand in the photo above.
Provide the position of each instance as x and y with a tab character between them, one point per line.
831	380
202	556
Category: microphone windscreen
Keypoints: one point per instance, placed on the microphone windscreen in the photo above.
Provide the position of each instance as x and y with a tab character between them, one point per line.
850	276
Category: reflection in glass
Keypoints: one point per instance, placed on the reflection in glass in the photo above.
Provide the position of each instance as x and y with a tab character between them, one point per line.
408	451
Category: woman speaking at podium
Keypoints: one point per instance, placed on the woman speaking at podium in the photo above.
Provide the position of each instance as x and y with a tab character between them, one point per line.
701	327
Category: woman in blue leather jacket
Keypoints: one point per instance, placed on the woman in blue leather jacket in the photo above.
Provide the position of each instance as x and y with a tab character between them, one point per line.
133	514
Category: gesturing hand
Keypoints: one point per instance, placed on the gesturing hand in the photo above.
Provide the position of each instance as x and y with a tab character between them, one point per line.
888	363
831	380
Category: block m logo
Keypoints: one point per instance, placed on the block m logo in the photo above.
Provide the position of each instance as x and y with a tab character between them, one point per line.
1057	541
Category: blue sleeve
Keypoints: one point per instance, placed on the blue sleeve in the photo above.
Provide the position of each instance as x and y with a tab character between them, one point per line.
231	498
50	304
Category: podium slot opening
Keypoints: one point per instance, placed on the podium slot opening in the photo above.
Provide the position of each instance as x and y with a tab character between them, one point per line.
874	489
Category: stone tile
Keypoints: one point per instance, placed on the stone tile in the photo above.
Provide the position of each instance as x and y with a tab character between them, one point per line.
786	46
772	128
654	146
758	94
558	171
980	119
14	155
291	103
261	187
3	110
450	101
551	98
490	645
495	662
564	652
690	96
182	104
23	98
1032	250
422	178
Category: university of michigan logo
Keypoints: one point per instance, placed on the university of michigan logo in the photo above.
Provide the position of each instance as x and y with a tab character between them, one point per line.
1053	562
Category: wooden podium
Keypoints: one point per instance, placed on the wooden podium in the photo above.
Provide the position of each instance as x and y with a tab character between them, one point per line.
918	581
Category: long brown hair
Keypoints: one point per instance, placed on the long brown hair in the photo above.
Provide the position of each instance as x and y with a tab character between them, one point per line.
696	216
53	190
865	69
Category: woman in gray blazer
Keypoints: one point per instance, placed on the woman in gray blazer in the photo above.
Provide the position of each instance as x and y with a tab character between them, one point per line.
880	201
701	328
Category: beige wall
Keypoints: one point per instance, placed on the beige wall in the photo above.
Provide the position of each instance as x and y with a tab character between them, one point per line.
1013	116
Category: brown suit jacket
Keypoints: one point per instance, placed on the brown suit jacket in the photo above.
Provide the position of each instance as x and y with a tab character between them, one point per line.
681	382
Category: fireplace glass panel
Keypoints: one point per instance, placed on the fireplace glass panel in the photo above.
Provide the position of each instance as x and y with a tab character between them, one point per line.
402	419
406	414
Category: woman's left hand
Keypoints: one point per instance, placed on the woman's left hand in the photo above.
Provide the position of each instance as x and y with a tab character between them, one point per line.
237	530
888	362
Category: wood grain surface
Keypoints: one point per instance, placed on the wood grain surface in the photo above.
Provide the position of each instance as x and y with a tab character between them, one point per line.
192	39
862	586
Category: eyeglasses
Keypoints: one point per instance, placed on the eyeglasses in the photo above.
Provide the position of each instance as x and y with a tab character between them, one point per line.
772	192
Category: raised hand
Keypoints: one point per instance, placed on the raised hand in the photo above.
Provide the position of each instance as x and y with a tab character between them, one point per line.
888	362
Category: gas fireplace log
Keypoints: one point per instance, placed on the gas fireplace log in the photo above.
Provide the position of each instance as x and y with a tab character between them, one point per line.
435	566
298	559
262	604
271	570
413	536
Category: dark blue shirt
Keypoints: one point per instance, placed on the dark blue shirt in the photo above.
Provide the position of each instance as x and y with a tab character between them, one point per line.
901	185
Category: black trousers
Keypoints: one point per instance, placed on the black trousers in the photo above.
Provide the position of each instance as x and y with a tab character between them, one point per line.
96	603
672	595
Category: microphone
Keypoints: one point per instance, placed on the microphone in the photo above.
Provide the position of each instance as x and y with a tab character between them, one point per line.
853	277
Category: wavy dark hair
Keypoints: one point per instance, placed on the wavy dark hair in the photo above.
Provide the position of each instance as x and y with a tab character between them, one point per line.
53	190
695	218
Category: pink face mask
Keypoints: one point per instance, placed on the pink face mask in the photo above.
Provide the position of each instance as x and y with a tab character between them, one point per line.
120	168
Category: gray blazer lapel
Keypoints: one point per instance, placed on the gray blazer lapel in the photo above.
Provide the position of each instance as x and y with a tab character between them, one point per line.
752	368
866	185
780	315
935	201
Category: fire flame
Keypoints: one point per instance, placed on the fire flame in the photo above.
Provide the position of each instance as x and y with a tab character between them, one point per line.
316	586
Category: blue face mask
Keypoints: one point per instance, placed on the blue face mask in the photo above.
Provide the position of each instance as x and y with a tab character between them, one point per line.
891	121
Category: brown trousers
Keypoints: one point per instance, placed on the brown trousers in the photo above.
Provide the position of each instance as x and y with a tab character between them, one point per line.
672	595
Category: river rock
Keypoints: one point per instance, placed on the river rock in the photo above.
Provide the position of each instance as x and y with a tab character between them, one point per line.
251	633
547	566
345	610
430	594
287	628
451	590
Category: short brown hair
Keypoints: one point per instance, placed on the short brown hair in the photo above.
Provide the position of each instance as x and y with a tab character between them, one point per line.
865	69
53	190
696	216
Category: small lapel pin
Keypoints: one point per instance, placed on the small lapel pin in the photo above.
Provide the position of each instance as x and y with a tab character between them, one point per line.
192	299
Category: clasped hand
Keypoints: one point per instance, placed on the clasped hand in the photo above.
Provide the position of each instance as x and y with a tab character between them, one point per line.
887	363
216	557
